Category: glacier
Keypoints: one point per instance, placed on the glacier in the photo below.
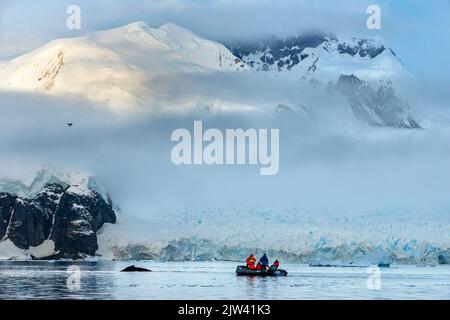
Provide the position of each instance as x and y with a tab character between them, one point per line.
293	235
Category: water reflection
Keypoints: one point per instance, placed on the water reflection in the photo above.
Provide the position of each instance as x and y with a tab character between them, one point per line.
40	280
210	280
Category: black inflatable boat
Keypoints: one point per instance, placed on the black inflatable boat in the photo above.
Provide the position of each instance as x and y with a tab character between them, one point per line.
244	271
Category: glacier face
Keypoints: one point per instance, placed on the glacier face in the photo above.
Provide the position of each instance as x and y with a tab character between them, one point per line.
295	235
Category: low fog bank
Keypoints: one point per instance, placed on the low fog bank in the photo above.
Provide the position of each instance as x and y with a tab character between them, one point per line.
323	167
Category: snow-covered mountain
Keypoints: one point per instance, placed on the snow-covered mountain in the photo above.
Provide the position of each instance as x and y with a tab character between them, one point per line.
365	71
320	57
171	69
116	67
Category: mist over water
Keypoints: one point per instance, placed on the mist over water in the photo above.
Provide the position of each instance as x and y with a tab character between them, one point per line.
323	167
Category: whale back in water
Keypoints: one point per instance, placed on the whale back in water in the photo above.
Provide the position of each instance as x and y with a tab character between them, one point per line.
135	269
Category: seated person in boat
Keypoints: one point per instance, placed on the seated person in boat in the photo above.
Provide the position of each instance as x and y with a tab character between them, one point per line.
275	266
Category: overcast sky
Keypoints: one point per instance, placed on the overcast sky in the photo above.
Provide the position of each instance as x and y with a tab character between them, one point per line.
418	30
376	169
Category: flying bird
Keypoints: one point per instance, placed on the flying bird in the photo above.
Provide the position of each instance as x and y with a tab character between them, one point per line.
70	124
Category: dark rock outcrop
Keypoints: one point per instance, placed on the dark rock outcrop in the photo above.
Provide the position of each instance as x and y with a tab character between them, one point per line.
284	53
31	220
77	219
362	47
70	219
6	205
380	107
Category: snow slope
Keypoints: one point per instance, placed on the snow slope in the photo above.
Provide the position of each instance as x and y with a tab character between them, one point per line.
115	68
81	183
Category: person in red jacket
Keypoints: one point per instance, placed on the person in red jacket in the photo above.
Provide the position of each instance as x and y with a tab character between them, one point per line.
251	262
276	264
274	267
259	266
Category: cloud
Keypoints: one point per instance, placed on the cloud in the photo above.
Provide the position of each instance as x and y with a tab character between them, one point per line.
24	21
26	25
323	168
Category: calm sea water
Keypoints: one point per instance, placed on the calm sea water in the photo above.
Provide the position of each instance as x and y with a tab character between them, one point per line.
213	280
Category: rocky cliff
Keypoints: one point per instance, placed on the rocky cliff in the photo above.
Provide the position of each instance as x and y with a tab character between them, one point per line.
59	221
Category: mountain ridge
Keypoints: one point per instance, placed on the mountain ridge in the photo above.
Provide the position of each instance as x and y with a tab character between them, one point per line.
171	69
